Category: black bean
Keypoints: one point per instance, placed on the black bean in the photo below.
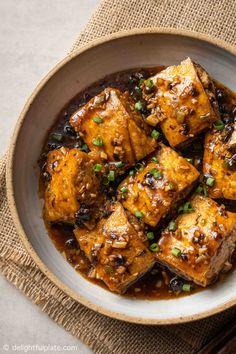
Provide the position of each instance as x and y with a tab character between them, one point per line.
176	284
71	243
69	130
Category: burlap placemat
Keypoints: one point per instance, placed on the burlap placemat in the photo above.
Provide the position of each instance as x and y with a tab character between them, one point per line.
100	333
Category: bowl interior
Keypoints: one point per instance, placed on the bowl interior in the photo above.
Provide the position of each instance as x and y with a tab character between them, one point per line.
148	49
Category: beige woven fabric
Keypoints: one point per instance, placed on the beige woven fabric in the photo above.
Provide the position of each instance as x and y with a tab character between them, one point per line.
102	334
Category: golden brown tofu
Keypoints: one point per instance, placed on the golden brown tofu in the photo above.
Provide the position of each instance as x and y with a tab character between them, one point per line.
198	244
219	162
116	251
110	125
154	191
182	99
73	188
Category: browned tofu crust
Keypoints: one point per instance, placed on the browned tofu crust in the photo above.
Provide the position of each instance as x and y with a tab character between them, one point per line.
203	241
220	162
120	130
116	251
182	99
73	183
155	190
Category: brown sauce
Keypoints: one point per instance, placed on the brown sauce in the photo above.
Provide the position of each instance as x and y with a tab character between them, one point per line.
160	283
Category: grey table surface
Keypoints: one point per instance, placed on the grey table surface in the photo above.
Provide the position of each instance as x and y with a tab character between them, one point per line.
34	36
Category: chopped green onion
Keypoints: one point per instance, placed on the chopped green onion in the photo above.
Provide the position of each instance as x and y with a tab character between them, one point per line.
219	125
139	166
199	190
210	181
98	141
120	164
138	106
186	287
154	159
154	247
139	214
124	189
97	120
132	173
97	167
156	174
141	81
205	191
189	160
84	148
150	235
176	252
186	208
172	226
150	83
111	176
57	136
155	134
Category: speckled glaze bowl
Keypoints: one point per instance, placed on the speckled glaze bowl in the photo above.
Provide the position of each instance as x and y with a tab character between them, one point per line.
149	47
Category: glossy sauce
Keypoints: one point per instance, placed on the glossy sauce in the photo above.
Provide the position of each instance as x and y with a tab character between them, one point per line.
156	284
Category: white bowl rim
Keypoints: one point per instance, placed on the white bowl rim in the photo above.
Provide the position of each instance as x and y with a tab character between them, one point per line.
10	180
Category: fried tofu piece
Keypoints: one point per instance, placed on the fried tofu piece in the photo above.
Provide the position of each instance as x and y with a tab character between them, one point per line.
182	99
111	126
116	251
155	190
202	242
219	162
73	188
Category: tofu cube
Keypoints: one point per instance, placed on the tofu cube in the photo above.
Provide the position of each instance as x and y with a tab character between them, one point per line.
116	251
111	126
182	99
219	162
156	189
201	243
73	186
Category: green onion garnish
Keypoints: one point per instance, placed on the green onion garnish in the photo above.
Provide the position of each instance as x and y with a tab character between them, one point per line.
97	120
138	106
139	167
150	83
154	159
176	252
150	235
139	214
205	190
98	141
186	208
156	174
124	189
155	134
210	181
189	160
154	247
84	148
219	125
97	167
141	81
199	190
172	226
120	164
111	176
186	287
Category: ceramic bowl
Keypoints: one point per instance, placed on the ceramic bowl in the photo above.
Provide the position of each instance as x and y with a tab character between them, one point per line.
149	47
